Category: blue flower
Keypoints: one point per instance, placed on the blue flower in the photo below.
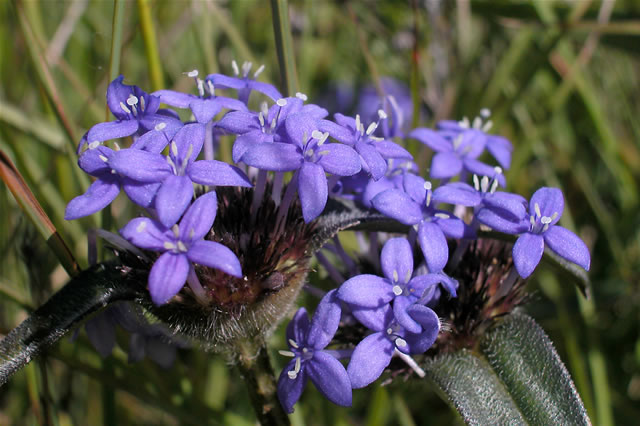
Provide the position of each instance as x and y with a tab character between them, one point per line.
182	246
310	361
545	208
373	354
136	112
245	84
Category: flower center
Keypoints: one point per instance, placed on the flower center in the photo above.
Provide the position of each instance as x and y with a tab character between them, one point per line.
539	223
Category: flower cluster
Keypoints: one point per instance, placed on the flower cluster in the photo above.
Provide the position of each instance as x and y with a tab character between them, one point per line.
292	157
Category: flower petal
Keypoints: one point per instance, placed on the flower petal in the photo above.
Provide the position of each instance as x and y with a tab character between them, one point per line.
415	187
375	319
550	201
215	255
397	260
239	122
434	246
512	206
175	99
313	190
298	327
501	220
265	88
501	150
289	390
398	205
390	149
217	173
432	139
339	159
369	359
568	246
142	166
145	233
189	141
112	130
205	109
167	277
277	157
99	195
527	252
457	193
376	165
330	377
173	198
400	306
199	217
325	321
445	165
143	194
366	291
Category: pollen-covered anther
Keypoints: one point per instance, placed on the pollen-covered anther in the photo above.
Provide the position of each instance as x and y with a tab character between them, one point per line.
287	353
234	65
293	344
301	96
372	128
294	373
124	108
400	342
132	100
397	290
442	215
536	207
176	230
211	87
193	73
94	145
246	68
382	115
395	276
169	246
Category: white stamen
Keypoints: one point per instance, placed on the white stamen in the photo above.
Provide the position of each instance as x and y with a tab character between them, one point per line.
397	290
94	144
142	103
427	186
169	246
273	123
464	123
316	134
281	102
211	87
395	276
476	183
293	344
545	220
498	170
258	71
389	330
382	115
193	73
287	353
484	184
532	220
305	350
132	100
234	65
323	139
372	128
174	148
442	215
361	129
301	96
487	126
292	374
141	226
182	247
400	342
160	126
545	227
376	138
261	119
494	186
201	87
186	158
264	108
116	147
428	200
124	108
103	158
457	141
176	230
321	153
477	123
537	209
554	215
408	277
357	121
246	67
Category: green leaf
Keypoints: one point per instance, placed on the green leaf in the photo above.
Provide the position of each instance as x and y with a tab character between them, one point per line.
516	377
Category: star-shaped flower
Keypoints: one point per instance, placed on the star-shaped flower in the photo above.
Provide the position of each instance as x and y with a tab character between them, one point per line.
307	342
182	246
545	208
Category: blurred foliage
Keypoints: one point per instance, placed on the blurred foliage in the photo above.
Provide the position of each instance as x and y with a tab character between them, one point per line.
562	81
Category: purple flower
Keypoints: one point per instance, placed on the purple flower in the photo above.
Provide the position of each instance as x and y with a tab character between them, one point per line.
204	106
547	205
136	112
456	155
499	147
182	246
373	354
373	151
415	206
310	157
176	172
96	161
370	291
266	126
310	361
397	103
245	84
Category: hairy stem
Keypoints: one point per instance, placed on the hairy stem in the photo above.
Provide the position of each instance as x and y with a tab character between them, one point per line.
255	368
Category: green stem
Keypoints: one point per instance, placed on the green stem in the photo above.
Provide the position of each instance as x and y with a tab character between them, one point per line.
255	368
284	46
150	45
116	42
